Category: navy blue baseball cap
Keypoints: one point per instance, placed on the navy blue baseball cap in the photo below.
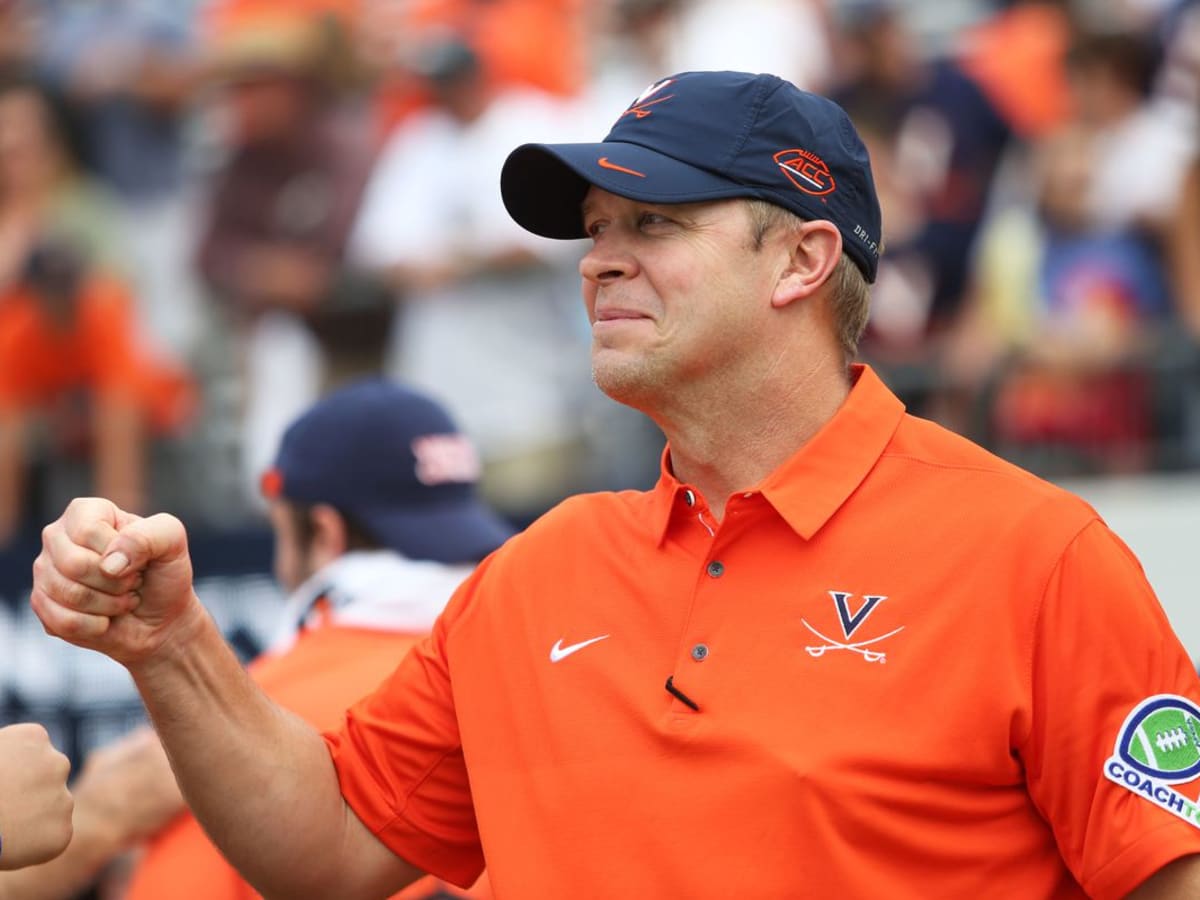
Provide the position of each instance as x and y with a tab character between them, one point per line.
705	136
392	460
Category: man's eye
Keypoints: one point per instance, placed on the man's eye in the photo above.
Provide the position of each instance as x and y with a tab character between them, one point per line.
593	229
650	218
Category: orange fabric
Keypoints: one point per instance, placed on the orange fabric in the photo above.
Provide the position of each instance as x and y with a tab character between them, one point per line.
537	43
218	17
1018	59
327	669
97	349
533	42
942	734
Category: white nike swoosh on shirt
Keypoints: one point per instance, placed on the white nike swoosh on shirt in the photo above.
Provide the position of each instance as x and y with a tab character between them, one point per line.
558	652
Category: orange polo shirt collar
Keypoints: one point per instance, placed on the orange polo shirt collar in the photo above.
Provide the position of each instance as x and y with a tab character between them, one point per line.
818	478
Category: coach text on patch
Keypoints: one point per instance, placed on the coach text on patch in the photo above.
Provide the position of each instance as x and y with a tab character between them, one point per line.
1159	747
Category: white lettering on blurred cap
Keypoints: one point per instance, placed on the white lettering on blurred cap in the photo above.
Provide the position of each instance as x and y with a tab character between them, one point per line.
445	458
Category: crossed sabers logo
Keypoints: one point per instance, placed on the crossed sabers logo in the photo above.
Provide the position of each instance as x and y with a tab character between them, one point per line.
850	623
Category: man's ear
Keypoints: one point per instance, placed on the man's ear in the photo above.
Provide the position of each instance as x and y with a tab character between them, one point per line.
815	248
328	534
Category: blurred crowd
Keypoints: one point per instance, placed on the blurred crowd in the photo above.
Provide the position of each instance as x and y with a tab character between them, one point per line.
213	212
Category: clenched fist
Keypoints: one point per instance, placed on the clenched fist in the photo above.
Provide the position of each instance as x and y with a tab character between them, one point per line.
115	582
35	805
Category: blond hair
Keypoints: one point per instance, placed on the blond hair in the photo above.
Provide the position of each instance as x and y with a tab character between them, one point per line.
851	295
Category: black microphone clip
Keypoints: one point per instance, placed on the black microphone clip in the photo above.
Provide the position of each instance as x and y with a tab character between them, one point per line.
680	695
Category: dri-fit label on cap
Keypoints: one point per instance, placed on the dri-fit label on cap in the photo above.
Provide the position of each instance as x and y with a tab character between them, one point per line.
1159	747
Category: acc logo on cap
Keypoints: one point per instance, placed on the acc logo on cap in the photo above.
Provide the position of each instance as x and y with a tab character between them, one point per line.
806	171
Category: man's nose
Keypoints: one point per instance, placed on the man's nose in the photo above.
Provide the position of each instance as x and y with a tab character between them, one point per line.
606	262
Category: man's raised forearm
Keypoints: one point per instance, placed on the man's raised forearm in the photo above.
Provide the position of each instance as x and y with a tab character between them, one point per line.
258	778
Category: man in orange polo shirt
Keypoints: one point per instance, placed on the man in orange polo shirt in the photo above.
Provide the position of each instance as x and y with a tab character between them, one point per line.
837	650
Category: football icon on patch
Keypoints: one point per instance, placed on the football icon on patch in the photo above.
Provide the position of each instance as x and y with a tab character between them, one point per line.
1161	738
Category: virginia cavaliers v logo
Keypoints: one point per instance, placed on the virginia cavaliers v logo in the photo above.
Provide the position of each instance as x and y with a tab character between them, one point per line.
806	171
851	621
641	106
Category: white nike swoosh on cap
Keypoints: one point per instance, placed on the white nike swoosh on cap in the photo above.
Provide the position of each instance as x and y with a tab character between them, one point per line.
558	652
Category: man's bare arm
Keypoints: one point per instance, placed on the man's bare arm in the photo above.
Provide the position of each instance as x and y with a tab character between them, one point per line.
258	778
261	782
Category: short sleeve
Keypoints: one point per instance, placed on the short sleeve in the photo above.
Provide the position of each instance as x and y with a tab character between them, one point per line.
400	763
1102	646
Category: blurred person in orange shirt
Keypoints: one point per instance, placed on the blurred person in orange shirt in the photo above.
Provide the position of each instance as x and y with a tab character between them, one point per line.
372	498
71	347
128	71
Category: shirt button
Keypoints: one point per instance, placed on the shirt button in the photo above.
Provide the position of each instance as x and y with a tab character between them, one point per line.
689	498
700	652
716	569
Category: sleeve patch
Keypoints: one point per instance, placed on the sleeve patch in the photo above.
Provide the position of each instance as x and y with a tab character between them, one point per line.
1159	747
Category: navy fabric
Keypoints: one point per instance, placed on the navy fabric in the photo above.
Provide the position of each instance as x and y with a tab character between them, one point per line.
701	136
394	461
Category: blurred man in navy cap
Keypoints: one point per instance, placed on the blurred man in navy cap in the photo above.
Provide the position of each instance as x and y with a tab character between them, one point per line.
372	498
